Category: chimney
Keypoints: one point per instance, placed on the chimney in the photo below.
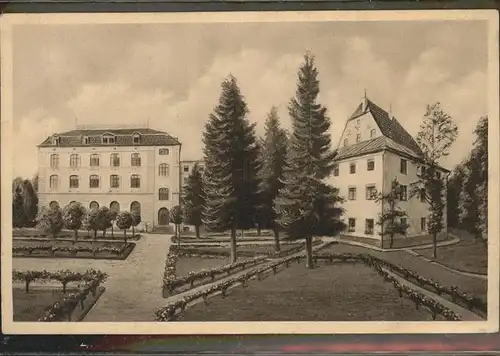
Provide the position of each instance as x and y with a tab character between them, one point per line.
364	103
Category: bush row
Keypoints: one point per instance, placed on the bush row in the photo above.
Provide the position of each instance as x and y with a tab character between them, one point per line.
169	311
463	299
171	282
71	249
63	309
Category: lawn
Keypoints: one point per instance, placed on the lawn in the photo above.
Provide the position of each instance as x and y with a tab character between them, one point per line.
468	255
470	285
250	250
399	241
341	292
194	264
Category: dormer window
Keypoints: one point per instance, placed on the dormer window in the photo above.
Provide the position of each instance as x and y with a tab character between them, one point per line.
56	140
136	138
86	140
108	139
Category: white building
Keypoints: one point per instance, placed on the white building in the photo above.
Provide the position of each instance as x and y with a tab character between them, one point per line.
373	150
187	168
123	169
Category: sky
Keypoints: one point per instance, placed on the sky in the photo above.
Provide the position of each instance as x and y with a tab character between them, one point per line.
169	75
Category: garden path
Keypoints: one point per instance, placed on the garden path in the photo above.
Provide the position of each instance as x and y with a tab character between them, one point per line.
133	287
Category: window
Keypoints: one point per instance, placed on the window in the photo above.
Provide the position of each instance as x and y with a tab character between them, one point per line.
352	193
346	142
163	151
135	207
352	225
53	182
163	170
114	160
94	205
114	181
403	166
54	160
369	226
336	170
372	133
73	181
56	140
423	224
86	140
371	192
358	138
163	194
108	139
94	160
114	206
136	139
422	195
135	160
370	165
186	168
135	181
94	181
403	193
352	168
74	161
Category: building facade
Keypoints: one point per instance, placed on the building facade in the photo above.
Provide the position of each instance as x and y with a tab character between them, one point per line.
375	149
124	169
187	168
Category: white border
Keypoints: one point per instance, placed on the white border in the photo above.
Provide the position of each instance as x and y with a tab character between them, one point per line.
11	327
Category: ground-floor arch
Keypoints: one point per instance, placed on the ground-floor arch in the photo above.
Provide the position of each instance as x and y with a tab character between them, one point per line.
163	216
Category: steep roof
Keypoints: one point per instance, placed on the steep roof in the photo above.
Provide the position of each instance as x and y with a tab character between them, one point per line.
124	137
389	127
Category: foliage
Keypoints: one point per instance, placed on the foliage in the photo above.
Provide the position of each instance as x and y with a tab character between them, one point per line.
18	215
390	218
91	221
435	138
25	203
176	215
73	216
304	200
194	199
272	161
124	221
230	155
50	220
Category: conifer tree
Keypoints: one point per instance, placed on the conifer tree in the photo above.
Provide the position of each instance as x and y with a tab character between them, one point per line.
230	180
305	205
18	214
453	191
435	138
481	154
194	199
272	160
30	202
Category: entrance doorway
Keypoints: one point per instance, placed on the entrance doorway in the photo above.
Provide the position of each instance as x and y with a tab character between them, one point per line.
163	216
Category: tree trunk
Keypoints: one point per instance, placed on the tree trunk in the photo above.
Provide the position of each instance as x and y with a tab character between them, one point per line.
104	233
434	245
64	288
95	234
178	234
197	229
309	257
233	243
133	231
392	240
112	231
242	233
27	286
125	235
76	235
258	229
277	247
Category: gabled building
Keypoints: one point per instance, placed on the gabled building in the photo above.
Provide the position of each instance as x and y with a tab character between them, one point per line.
123	169
373	150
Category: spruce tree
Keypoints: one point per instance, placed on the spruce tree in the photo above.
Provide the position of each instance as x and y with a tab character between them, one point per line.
305	205
194	199
453	192
272	160
230	153
18	214
480	153
30	198
435	138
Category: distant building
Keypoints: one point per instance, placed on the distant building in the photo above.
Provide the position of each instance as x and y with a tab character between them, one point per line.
123	169
373	150
187	168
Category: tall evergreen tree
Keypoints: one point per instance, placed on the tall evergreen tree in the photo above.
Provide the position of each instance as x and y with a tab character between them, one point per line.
194	199
230	151
305	205
455	184
18	214
481	154
272	157
30	199
435	138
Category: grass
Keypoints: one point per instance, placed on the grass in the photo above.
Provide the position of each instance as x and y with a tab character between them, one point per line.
468	255
31	306
400	241
193	264
469	285
342	292
241	250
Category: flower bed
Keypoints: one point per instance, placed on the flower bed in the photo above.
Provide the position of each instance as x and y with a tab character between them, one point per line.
171	282
70	235
72	249
63	309
171	310
473	304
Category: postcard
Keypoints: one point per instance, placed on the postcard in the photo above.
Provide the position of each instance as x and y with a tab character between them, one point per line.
250	173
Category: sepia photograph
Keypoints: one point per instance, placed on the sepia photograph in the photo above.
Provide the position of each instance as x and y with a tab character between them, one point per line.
321	172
